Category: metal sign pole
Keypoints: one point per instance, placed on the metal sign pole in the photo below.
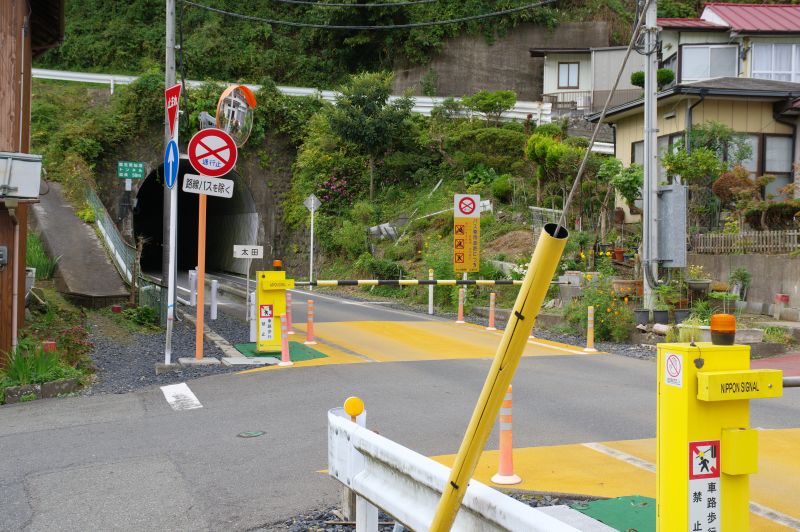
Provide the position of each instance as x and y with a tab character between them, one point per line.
311	258
247	294
201	275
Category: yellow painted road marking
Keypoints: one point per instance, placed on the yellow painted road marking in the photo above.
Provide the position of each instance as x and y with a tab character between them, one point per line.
334	356
615	469
422	340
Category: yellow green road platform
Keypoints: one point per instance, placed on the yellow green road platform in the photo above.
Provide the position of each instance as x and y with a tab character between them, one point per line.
619	468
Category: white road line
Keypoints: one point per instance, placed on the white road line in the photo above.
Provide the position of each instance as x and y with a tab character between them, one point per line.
180	397
419	317
756	508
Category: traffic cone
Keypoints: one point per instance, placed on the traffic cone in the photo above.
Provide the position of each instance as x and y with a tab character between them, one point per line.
289	329
310	323
505	473
460	306
285	360
492	298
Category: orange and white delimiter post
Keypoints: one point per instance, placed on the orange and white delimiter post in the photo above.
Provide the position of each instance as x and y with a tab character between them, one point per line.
590	331
505	472
289	329
492	301
310	323
285	360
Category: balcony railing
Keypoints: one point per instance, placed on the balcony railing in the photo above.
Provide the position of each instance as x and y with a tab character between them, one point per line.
583	102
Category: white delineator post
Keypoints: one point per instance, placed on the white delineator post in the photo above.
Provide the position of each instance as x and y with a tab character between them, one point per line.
460	306
430	292
214	291
253	324
492	300
590	330
193	288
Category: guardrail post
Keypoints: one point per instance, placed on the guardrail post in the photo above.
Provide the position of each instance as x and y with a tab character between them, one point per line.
214	290
460	306
366	516
590	330
193	288
430	292
289	313
492	300
252	316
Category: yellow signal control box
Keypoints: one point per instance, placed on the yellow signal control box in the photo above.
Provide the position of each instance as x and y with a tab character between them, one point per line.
270	305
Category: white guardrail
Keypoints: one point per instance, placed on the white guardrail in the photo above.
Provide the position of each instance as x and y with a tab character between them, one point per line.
408	486
540	112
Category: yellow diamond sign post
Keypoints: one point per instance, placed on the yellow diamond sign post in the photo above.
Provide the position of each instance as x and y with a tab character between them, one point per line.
466	233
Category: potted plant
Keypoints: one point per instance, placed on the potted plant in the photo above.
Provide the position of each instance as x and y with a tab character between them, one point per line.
723	301
697	279
666	296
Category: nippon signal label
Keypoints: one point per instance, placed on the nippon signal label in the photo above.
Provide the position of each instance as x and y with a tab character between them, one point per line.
705	501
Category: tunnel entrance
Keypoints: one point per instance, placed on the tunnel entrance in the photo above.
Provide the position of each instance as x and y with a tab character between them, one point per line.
229	221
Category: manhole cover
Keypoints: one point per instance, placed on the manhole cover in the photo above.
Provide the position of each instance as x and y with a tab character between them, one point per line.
250	434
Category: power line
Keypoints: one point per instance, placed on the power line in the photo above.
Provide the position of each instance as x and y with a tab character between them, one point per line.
385	27
325	4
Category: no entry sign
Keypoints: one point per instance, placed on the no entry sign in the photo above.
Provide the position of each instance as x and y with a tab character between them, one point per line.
466	205
212	152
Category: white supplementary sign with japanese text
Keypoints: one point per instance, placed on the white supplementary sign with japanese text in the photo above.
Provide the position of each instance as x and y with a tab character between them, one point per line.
248	252
210	186
265	316
705	502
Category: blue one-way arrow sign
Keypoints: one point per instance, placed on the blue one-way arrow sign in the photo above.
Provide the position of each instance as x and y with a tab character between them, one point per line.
171	163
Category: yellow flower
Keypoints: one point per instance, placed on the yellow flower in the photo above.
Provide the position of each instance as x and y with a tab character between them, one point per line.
608	310
616	313
589	277
608	253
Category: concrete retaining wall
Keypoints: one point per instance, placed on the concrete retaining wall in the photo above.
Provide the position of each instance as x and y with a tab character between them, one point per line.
469	64
772	274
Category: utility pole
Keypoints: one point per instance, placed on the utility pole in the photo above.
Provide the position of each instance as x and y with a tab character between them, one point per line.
169	81
650	193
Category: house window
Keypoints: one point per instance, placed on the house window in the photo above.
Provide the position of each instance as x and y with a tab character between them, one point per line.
780	62
637	152
568	75
752	163
777	162
709	61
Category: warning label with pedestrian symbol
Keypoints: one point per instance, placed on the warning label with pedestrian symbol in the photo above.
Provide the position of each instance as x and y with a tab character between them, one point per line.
265	311
459	258
459	243
673	370
458	230
705	501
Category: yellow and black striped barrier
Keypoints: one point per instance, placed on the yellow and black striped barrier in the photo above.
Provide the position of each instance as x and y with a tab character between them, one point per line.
409	282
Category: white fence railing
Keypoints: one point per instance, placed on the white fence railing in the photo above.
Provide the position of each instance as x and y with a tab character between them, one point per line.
408	486
540	112
770	242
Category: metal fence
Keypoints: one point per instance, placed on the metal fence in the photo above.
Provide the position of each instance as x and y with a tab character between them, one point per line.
769	242
149	291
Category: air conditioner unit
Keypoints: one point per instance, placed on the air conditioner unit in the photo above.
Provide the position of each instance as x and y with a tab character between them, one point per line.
20	174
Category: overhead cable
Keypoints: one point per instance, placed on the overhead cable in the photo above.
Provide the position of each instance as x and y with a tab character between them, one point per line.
326	4
383	27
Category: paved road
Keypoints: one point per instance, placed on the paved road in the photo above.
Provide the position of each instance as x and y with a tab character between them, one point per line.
131	462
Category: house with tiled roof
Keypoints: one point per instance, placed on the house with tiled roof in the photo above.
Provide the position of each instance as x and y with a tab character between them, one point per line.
733	40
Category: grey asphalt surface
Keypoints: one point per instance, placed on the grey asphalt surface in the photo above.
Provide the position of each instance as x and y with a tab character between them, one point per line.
130	462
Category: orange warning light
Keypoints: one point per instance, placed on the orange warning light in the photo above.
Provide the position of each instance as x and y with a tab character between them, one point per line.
277	264
723	329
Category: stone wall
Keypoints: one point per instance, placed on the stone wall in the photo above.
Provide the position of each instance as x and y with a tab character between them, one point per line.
468	64
772	274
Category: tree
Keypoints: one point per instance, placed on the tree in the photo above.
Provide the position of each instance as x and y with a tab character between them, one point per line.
664	76
363	117
491	104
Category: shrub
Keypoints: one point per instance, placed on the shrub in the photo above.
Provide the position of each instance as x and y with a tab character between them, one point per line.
144	316
86	214
779	215
613	320
730	186
29	363
380	268
36	257
502	189
349	239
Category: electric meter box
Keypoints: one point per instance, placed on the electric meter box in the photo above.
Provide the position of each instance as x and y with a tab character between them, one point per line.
20	174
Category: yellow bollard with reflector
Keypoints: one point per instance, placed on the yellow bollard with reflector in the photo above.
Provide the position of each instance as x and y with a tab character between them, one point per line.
270	304
705	448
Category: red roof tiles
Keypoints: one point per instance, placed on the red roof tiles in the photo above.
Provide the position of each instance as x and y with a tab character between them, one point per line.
688	23
768	18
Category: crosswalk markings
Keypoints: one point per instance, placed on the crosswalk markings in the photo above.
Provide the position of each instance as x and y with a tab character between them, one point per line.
180	397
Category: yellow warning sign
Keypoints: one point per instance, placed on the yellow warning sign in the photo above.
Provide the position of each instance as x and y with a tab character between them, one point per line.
466	233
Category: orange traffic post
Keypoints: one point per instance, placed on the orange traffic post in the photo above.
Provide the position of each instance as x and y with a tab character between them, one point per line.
201	275
492	298
289	313
460	306
590	331
285	360
505	472
310	324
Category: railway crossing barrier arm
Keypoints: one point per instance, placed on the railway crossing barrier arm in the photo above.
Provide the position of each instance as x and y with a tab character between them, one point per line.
408	486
